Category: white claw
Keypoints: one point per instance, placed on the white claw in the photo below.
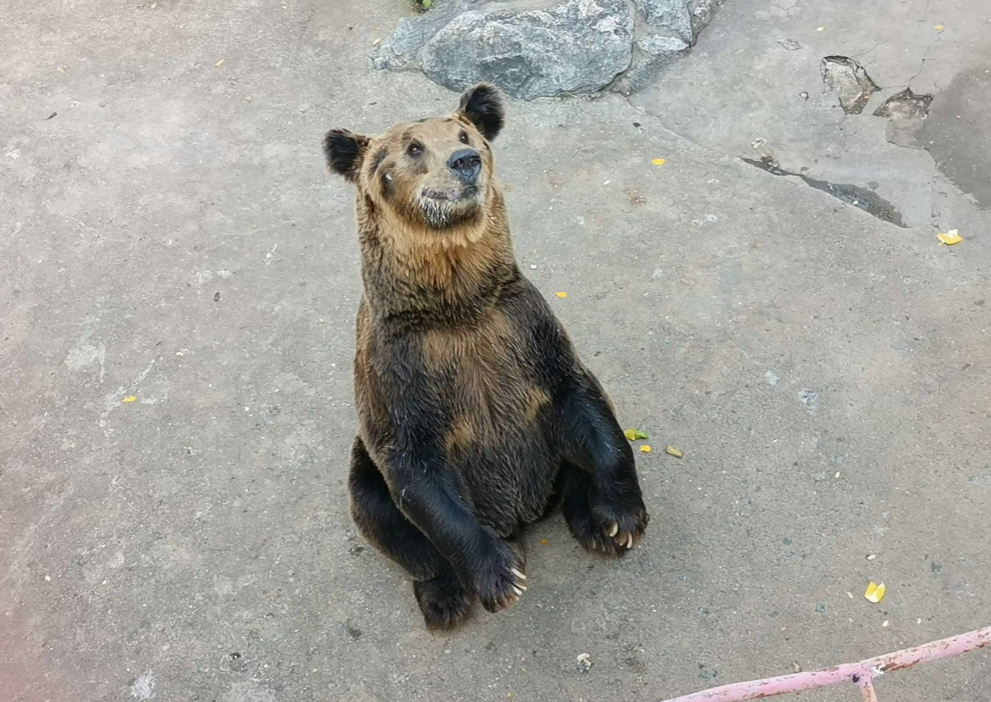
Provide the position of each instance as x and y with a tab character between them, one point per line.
518	574
521	587
629	542
614	530
518	591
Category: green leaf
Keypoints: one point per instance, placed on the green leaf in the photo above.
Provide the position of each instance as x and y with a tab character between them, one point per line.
635	435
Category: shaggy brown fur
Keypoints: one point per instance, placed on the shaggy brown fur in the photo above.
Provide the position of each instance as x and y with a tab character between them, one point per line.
476	416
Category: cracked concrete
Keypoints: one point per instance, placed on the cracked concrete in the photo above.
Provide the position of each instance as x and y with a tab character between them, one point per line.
172	235
759	67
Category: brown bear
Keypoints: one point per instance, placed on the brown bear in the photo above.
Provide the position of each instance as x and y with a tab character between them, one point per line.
475	415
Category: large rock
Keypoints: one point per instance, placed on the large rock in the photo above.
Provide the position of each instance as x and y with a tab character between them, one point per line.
528	50
543	48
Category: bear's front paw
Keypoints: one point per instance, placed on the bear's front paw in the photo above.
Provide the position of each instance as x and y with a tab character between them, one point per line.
611	527
623	525
500	579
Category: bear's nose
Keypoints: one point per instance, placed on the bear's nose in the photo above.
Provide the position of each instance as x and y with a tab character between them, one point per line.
466	163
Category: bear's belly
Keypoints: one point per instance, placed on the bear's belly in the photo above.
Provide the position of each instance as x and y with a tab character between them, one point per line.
497	444
509	482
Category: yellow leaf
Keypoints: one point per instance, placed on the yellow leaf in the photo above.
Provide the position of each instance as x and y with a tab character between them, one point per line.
635	434
219	63
672	451
562	295
875	593
543	542
938	28
658	161
129	398
645	449
950	238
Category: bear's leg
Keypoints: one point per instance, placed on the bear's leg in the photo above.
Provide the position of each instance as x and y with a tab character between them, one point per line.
577	512
602	501
445	602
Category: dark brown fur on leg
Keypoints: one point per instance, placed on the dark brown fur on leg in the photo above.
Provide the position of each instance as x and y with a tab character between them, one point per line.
443	599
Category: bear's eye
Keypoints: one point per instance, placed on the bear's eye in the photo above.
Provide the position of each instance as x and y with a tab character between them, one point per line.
414	149
463	137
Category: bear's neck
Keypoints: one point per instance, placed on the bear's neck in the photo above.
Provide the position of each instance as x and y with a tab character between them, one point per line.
434	279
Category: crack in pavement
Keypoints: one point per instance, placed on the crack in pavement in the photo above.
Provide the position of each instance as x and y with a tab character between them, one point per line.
860	197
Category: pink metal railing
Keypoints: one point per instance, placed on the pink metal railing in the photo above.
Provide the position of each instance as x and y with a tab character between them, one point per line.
861	674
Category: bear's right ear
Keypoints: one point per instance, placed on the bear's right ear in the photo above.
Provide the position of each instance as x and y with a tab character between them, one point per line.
344	151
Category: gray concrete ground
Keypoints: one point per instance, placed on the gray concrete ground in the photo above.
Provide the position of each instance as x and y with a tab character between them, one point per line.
171	234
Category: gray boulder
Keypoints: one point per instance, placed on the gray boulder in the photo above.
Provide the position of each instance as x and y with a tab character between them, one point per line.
528	50
544	48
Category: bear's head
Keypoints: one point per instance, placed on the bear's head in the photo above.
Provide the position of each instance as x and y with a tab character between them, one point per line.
435	174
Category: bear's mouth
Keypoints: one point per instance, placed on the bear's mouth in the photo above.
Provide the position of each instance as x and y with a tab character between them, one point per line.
451	195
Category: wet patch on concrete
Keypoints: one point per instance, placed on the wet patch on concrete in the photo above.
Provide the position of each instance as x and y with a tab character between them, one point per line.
958	133
861	198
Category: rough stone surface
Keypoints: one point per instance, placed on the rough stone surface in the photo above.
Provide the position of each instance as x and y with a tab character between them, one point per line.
402	47
849	80
702	12
905	105
577	46
542	48
670	14
650	53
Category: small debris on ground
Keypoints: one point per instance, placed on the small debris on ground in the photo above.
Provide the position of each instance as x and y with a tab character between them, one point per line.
672	451
129	398
658	161
561	295
584	663
796	666
875	593
645	449
635	434
219	63
949	238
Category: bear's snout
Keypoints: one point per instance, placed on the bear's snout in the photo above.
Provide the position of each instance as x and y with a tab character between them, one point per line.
466	165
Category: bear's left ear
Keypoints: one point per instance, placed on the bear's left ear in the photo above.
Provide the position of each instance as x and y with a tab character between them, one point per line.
482	106
344	151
